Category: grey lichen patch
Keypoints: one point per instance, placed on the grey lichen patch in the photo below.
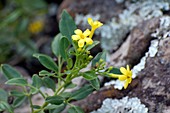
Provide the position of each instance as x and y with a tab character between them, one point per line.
153	49
124	105
82	19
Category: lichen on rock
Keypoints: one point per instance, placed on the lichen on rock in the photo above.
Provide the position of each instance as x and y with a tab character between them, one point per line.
114	31
124	105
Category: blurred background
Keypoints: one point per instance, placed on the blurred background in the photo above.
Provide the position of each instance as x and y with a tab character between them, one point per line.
26	27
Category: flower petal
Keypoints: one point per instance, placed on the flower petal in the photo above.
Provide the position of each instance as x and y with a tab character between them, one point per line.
89	41
126	84
114	75
81	43
90	21
122	77
86	33
78	32
99	24
129	80
75	37
130	74
123	71
127	67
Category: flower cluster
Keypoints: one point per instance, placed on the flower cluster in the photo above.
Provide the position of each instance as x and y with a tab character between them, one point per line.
86	36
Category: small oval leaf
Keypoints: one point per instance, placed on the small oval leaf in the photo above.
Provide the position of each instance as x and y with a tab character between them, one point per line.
10	72
67	25
82	92
57	108
57	100
36	81
95	83
64	44
18	101
99	56
48	82
47	61
89	75
69	63
93	45
17	82
75	109
116	71
17	93
45	73
3	95
56	45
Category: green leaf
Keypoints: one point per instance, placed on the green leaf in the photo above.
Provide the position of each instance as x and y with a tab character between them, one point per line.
22	26
99	56
67	25
56	45
36	107
95	83
70	85
82	92
9	72
57	100
69	63
36	81
18	101
48	82
3	95
12	17
4	106
47	61
75	109
64	44
65	94
17	82
44	73
89	75
93	45
17	93
116	71
56	108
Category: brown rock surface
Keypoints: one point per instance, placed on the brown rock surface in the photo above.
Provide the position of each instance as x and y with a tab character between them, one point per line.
153	88
135	45
106	8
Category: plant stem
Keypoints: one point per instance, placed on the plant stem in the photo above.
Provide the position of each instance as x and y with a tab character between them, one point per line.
30	101
42	93
38	90
59	70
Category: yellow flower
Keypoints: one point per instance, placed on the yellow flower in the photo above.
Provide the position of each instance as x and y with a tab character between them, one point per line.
82	37
126	75
36	26
94	24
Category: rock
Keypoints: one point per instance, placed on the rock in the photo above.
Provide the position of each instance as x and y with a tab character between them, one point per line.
153	88
135	45
106	8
